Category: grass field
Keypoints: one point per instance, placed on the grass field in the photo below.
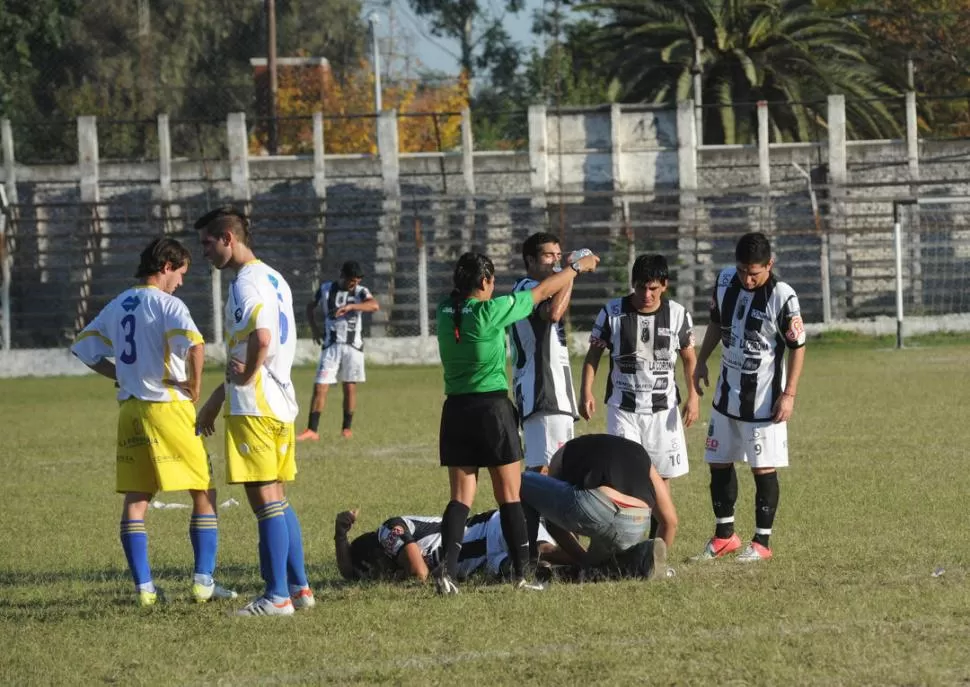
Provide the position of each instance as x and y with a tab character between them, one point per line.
874	503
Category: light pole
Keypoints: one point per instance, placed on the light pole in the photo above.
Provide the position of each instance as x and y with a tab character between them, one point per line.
373	18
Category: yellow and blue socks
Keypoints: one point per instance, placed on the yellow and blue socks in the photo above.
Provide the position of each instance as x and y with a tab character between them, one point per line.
274	544
295	566
204	535
134	541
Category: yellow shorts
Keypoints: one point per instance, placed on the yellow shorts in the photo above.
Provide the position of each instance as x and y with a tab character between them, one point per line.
158	449
259	449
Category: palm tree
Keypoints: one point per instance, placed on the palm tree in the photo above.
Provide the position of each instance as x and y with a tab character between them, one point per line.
786	52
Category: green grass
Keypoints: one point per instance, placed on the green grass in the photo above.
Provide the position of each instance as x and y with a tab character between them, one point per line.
874	502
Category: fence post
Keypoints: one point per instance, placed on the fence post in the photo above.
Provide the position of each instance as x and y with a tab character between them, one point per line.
764	167
8	197
389	146
838	176
169	222
913	226
87	143
468	175
237	143
687	179
898	254
538	152
621	204
422	279
320	191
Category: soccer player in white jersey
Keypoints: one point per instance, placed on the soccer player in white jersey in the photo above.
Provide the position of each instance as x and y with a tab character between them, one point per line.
158	354
644	332
542	381
755	318
341	304
260	335
410	546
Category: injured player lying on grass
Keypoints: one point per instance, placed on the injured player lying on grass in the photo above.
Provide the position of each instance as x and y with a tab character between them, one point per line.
408	546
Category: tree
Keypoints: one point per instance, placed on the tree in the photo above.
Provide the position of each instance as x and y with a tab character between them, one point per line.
931	33
485	46
786	52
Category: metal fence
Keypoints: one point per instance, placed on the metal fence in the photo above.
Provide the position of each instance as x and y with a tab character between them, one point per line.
65	261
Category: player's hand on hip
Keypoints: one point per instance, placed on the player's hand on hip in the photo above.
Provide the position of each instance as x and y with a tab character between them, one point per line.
691	410
783	408
700	373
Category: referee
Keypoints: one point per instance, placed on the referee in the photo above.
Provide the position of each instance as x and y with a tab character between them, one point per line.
479	426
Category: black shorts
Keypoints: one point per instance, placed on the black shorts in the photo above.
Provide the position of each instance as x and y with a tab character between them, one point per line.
479	430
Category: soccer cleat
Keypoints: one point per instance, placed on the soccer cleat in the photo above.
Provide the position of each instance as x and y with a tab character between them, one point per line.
525	585
303	599
150	598
346	433
443	584
544	574
202	593
755	552
308	435
263	606
718	548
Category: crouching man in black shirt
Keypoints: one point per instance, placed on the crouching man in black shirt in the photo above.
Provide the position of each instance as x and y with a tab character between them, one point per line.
605	488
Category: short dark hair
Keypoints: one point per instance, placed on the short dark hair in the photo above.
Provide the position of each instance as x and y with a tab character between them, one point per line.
351	270
160	252
753	249
530	247
217	223
648	268
367	557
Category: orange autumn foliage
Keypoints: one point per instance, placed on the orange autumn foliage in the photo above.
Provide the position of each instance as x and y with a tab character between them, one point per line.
348	111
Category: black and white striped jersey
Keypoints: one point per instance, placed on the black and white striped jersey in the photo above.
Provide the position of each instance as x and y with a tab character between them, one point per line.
399	531
484	547
346	329
643	353
756	327
541	378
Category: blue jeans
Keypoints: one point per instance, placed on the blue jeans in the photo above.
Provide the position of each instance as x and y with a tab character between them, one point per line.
589	512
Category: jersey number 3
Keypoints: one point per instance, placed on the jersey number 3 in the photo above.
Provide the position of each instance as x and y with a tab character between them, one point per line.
130	354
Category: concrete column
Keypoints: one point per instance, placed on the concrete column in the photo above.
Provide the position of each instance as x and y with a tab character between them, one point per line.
87	144
9	161
538	155
164	159
838	176
468	175
620	230
695	281
238	145
911	227
320	191
764	168
384	265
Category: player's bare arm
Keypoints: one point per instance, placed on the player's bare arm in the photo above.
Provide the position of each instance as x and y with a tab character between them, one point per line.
664	509
205	421
411	560
555	309
551	285
712	337
570	550
785	405
257	348
587	405
341	528
105	368
691	410
369	305
311	312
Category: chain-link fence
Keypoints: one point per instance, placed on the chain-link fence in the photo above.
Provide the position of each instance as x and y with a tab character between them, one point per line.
67	260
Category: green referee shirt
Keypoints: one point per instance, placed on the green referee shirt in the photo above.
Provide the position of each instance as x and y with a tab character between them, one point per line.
476	365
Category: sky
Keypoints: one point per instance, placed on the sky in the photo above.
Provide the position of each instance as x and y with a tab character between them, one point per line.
439	54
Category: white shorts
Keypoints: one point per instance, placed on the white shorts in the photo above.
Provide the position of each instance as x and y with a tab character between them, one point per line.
661	434
340	363
762	444
543	434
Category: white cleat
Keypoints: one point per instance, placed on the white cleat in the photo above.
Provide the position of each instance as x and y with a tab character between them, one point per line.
303	599
263	606
203	593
